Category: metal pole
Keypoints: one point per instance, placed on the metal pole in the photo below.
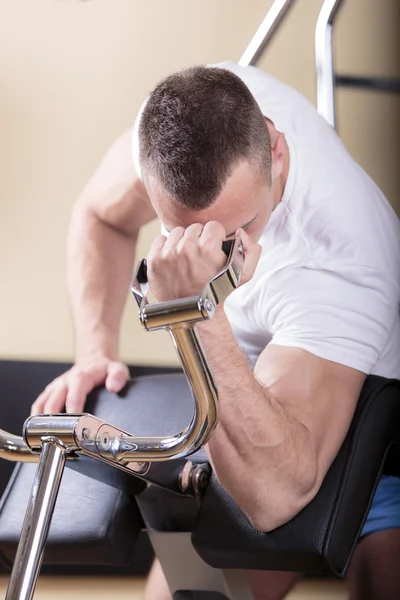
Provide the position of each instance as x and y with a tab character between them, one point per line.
265	32
324	60
37	521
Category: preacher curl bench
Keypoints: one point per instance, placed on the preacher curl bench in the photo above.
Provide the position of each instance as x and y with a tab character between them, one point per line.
118	483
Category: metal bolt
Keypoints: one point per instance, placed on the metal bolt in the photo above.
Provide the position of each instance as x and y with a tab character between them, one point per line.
208	305
184	476
105	440
200	478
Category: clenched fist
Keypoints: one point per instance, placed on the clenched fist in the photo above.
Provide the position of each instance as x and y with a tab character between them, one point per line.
180	265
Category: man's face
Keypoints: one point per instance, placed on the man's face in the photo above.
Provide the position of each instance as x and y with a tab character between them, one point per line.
246	201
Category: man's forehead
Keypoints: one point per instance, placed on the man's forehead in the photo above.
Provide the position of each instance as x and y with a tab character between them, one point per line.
229	234
243	226
231	215
230	220
237	206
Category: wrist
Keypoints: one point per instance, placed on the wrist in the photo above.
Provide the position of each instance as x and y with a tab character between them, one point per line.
96	352
217	325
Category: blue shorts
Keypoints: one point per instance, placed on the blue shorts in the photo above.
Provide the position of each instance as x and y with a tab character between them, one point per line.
385	509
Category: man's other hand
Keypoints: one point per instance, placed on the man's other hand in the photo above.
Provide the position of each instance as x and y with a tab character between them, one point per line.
70	389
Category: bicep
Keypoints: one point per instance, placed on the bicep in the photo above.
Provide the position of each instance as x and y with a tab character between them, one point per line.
330	326
115	193
322	395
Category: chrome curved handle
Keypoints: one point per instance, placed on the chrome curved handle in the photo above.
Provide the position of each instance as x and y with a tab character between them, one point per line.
14	448
179	318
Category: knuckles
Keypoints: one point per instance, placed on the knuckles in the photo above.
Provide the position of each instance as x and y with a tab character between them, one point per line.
215	229
181	265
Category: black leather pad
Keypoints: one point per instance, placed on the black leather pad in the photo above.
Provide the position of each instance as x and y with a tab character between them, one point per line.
96	520
322	537
93	523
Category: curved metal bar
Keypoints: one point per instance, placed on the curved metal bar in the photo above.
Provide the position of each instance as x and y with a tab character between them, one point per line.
14	448
179	318
324	60
125	449
265	32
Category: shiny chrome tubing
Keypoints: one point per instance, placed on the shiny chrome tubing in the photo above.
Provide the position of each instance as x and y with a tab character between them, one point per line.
125	449
79	434
179	318
14	448
64	427
37	521
265	32
324	60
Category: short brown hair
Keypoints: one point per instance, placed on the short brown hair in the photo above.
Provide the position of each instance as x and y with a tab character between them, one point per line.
196	126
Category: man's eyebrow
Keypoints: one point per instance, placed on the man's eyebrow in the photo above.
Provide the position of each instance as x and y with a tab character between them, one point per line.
243	226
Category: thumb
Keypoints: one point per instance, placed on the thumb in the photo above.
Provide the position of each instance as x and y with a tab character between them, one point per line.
117	376
252	253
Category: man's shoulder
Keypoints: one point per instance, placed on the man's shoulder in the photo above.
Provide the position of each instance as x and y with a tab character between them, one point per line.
278	101
253	76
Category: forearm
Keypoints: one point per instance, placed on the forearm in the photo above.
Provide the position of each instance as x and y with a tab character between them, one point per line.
100	263
261	454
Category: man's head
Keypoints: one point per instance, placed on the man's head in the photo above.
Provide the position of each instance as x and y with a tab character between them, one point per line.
205	151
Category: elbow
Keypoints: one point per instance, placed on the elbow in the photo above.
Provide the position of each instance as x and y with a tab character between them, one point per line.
276	508
270	518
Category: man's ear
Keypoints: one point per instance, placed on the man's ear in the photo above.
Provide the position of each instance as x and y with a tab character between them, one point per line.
278	151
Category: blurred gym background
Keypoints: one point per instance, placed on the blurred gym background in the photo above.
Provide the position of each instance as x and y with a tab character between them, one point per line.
73	75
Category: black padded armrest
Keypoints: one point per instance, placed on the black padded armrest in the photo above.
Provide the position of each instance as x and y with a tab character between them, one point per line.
322	537
96	520
93	523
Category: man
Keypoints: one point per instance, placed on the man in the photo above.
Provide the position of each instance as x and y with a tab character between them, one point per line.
229	151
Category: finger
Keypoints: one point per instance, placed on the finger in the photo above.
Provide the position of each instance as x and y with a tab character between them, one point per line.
213	231
156	246
189	242
173	238
193	231
252	253
40	402
79	386
38	405
245	239
118	375
56	401
155	253
210	241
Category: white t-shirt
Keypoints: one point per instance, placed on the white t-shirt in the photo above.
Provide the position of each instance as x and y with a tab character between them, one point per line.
328	280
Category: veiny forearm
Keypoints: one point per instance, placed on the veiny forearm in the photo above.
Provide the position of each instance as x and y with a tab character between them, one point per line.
100	263
261	454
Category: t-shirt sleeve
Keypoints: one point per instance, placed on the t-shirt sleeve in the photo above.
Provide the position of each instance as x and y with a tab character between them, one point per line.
135	141
343	313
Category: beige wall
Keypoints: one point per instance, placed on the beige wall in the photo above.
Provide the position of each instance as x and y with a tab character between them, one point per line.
73	74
